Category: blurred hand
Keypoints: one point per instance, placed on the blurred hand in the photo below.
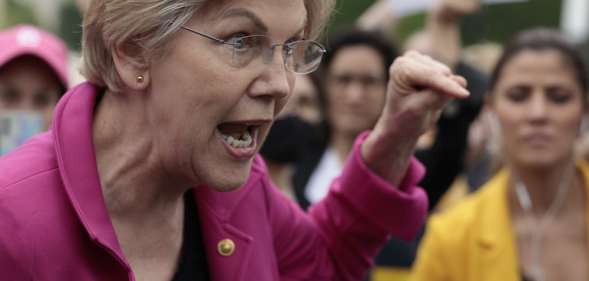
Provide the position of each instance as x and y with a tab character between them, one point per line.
417	90
453	9
379	16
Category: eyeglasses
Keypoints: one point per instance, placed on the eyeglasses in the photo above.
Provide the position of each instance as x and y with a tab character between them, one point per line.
301	56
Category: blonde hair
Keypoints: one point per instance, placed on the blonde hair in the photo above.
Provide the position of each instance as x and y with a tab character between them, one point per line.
144	27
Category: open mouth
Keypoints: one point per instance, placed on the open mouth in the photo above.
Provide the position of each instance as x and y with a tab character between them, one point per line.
238	135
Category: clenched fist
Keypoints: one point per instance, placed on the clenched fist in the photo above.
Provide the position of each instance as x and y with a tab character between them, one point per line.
417	90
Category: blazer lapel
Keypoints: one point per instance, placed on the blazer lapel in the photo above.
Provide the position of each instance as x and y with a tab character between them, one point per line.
228	248
495	243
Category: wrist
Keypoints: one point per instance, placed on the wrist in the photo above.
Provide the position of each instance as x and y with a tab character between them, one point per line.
388	154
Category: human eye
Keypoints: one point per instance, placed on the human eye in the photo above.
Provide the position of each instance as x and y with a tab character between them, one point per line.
43	99
518	93
239	40
304	101
295	41
558	94
371	81
343	79
9	96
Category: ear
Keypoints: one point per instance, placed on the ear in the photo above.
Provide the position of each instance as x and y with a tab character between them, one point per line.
133	70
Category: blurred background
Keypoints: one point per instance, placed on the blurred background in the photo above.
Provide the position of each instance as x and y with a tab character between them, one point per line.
59	16
488	26
496	21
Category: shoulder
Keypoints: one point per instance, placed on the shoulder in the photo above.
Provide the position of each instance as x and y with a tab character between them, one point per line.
25	173
30	185
456	223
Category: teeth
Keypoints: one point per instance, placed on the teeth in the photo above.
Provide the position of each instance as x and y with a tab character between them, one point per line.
244	141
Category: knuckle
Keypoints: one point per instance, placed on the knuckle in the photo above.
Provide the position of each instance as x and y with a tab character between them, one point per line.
398	65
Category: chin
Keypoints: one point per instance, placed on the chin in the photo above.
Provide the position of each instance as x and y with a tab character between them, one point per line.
540	161
227	186
225	180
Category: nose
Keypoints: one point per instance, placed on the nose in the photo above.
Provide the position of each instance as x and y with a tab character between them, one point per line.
27	104
354	92
274	80
538	108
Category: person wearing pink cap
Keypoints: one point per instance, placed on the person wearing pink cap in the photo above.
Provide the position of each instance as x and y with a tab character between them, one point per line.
33	71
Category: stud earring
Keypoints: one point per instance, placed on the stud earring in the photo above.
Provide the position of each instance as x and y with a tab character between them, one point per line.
139	78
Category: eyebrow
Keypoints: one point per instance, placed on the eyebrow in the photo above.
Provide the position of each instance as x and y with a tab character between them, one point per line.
240	12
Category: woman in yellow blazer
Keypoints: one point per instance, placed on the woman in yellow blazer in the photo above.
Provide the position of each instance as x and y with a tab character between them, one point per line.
530	222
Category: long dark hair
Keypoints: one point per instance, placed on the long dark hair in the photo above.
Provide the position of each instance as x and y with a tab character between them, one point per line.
542	39
354	37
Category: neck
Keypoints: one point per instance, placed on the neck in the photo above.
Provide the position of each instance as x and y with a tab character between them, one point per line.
134	183
545	185
342	143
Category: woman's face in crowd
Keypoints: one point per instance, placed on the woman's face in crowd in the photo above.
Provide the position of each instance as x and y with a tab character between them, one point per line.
27	83
211	116
355	89
304	101
539	104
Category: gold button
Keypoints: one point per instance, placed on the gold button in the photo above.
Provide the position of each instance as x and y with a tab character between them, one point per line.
226	247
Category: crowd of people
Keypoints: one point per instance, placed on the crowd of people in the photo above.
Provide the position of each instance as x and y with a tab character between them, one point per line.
232	141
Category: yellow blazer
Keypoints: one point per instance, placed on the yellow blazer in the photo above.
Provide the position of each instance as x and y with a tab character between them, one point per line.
474	240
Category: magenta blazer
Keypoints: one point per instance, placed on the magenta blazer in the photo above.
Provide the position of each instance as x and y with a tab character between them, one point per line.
54	224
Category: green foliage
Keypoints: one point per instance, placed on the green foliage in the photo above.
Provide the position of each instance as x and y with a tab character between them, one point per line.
408	26
499	22
17	13
70	27
493	23
346	12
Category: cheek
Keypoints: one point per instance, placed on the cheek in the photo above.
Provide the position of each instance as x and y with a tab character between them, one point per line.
376	100
331	100
281	102
570	124
509	123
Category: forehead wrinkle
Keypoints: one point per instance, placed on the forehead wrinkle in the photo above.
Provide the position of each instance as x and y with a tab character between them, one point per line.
303	25
216	13
244	13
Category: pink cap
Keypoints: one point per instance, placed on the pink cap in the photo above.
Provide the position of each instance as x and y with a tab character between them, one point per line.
29	40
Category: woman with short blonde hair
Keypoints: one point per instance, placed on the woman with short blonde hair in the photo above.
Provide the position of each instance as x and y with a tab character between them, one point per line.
150	170
144	27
